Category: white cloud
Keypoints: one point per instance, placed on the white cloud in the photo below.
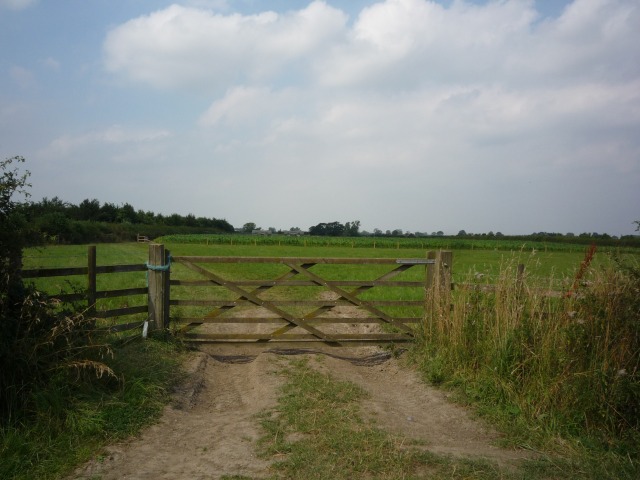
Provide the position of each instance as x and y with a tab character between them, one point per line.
239	106
16	4
187	47
392	44
489	105
116	135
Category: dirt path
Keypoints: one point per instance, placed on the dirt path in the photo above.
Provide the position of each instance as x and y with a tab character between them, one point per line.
209	430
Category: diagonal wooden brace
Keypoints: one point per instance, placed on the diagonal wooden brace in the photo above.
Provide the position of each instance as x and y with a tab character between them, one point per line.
351	298
257	300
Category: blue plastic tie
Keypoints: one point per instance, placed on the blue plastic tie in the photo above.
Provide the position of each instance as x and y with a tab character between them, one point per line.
158	268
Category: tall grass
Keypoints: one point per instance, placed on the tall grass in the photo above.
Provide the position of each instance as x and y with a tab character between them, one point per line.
70	418
555	365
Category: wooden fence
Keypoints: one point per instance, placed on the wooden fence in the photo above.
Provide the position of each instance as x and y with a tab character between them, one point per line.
304	325
91	294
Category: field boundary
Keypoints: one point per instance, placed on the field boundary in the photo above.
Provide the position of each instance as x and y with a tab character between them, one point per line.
312	318
91	294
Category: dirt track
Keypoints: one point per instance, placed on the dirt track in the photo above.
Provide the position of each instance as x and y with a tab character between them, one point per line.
209	430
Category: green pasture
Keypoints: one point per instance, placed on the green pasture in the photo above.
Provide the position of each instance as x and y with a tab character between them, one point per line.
397	243
541	264
545	269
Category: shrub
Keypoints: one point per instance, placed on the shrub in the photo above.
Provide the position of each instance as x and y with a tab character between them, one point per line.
38	341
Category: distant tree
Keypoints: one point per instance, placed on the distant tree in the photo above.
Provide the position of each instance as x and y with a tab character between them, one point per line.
222	225
190	220
89	210
127	214
54	205
108	213
377	232
333	229
440	233
319	229
351	229
174	220
248	227
397	232
462	233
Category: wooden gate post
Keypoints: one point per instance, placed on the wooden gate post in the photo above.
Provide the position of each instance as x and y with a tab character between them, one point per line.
444	259
158	274
438	290
429	309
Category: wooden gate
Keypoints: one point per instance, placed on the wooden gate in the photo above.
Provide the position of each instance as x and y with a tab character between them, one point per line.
330	300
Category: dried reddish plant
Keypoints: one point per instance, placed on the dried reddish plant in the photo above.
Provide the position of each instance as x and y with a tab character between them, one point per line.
584	265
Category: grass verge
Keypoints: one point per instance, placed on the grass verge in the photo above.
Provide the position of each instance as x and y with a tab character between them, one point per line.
74	420
559	373
317	432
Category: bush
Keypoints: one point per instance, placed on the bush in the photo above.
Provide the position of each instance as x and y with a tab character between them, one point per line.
38	341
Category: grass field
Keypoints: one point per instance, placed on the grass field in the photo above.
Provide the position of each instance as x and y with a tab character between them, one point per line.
546	269
539	263
395	243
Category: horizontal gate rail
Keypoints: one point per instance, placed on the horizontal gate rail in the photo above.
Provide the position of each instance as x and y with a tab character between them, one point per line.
298	283
72	271
313	321
294	303
305	260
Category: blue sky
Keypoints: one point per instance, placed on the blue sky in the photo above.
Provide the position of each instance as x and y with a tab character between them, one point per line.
516	116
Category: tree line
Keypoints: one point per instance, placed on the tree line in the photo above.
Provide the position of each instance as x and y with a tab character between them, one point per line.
352	229
89	221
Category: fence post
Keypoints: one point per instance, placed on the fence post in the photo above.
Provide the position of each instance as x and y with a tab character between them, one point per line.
430	296
520	277
438	290
91	280
158	274
444	259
